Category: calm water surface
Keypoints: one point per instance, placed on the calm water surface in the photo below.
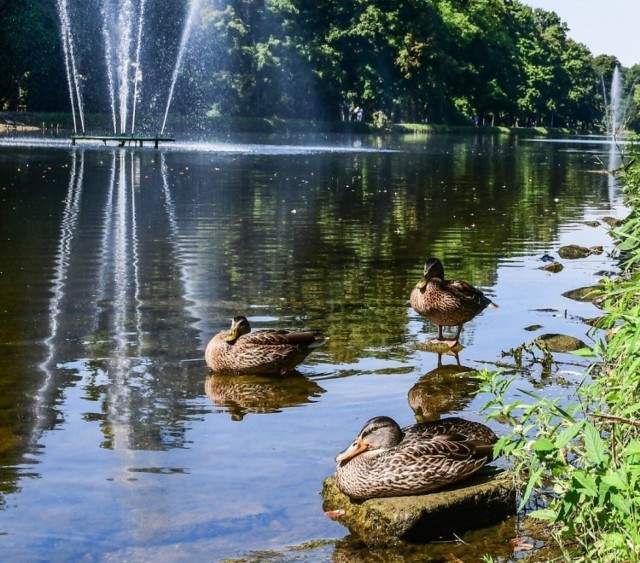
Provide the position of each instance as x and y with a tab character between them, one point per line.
117	266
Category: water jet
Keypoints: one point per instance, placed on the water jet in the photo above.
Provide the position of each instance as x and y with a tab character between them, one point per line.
124	64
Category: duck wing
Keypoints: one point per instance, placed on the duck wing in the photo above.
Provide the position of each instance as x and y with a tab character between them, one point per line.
302	339
467	292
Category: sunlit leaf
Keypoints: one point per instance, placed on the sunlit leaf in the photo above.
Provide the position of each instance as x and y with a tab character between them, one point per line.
587	483
593	445
544	514
543	445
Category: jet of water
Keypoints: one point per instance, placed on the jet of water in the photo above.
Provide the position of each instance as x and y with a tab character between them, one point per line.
194	7
73	77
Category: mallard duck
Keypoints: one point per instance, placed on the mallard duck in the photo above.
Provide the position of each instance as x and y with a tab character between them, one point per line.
385	460
264	352
447	303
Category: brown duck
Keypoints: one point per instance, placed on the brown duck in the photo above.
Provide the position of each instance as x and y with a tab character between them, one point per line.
385	460
263	352
447	302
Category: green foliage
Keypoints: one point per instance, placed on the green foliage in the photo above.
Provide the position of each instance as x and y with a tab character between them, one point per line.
420	61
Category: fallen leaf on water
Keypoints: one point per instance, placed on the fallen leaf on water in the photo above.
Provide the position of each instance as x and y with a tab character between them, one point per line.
335	513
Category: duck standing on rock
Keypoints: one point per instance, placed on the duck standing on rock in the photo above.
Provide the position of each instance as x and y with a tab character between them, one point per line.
385	460
446	302
263	352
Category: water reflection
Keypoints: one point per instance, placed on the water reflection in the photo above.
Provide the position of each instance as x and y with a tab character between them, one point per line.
243	394
44	417
100	300
447	388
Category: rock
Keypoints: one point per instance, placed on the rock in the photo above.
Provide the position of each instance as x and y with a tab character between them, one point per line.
553	267
592	223
573	251
531	328
596	249
560	342
612	221
480	502
583	293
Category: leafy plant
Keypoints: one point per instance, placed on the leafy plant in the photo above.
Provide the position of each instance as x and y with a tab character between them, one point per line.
577	459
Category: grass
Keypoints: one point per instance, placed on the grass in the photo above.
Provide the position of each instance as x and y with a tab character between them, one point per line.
578	460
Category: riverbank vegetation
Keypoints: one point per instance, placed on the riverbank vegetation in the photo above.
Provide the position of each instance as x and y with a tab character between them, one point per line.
578	458
484	62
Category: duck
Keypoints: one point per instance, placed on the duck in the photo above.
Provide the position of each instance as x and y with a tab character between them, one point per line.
263	352
446	302
385	460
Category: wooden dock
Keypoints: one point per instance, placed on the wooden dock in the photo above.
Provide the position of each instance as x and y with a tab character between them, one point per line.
124	140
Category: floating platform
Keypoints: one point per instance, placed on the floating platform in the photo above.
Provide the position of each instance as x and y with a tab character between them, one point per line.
124	140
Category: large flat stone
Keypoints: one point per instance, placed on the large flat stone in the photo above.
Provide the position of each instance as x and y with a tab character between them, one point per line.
476	503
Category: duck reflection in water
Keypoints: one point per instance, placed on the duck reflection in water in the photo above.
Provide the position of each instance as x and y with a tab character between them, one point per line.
446	302
243	394
444	389
263	352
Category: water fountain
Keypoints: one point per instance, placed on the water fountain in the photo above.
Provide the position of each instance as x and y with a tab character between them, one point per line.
122	29
614	111
616	104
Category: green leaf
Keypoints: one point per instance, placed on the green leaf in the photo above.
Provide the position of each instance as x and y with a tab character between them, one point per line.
615	480
593	445
533	481
584	352
587	483
621	504
543	445
569	434
544	514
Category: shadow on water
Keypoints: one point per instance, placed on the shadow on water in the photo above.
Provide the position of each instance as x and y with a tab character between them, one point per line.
133	259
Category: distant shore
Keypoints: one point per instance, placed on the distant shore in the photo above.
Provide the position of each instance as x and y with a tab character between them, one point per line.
94	123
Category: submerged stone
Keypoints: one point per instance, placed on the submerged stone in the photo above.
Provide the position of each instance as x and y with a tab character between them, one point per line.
573	251
482	501
592	223
560	342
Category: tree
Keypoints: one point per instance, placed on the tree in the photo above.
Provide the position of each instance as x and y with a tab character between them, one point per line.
31	65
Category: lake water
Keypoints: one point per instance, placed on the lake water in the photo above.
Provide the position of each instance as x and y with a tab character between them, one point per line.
118	265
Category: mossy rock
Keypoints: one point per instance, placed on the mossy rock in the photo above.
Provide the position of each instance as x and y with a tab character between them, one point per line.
560	342
573	251
480	502
592	223
587	293
612	221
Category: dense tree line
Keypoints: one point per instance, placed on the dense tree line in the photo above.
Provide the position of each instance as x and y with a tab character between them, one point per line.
436	61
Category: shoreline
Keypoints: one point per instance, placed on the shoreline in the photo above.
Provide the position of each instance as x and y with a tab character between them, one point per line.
99	123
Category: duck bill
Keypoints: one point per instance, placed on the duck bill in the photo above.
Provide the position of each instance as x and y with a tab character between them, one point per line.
422	283
352	451
233	335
